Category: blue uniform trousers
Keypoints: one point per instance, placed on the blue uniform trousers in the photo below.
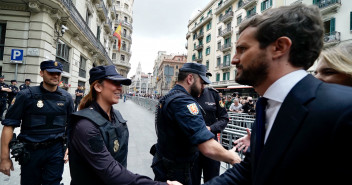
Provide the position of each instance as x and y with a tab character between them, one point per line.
210	168
45	166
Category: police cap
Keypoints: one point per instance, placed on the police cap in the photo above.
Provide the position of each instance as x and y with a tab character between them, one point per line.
13	81
107	72
196	68
51	66
29	80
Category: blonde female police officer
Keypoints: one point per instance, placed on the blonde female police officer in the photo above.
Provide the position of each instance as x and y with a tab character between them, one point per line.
99	136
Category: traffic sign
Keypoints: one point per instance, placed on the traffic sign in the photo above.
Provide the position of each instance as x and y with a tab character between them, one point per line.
17	56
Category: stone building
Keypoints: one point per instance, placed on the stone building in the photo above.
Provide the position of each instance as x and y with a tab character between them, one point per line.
213	32
78	33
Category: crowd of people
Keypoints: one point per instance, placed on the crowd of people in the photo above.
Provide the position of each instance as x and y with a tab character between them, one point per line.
297	116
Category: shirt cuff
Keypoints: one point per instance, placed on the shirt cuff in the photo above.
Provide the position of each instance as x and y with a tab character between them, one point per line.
11	122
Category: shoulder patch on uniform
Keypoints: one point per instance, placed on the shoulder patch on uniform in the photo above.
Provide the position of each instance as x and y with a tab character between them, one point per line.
193	109
221	104
96	143
13	101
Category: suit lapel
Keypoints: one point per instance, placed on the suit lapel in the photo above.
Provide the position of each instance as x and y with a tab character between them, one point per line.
287	123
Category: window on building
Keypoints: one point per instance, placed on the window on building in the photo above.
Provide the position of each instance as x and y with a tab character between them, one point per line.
117	16
227	41
220	17
240	4
193	57
207	64
126	19
266	4
88	16
124	33
208	38
64	80
200	41
113	56
217	77
218	61
82	84
194	46
126	6
239	20
209	26
207	51
98	32
219	45
227	60
118	3
209	12
62	55
251	12
122	58
176	66
220	3
200	54
82	67
226	76
329	26
194	36
124	45
351	21
2	39
219	31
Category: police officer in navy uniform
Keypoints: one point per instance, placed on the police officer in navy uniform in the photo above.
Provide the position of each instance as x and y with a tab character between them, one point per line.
181	129
14	91
26	84
4	90
79	95
98	141
42	113
216	119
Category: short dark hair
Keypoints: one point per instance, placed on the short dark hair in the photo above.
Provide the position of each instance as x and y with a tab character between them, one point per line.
182	75
299	22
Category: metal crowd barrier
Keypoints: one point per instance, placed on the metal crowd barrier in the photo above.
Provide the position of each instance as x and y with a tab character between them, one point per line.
148	103
235	129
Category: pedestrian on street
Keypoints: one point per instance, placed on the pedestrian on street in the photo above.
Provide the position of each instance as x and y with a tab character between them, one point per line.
181	129
4	90
42	112
27	83
79	95
297	115
13	93
216	119
98	140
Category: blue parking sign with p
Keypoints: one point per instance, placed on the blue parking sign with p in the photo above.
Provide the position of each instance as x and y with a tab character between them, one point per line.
17	55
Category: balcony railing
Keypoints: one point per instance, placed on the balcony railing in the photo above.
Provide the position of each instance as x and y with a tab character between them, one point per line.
251	15
226	47
188	35
124	23
222	7
248	3
199	47
225	65
225	32
332	37
328	5
227	16
76	16
200	35
199	59
121	63
82	73
202	22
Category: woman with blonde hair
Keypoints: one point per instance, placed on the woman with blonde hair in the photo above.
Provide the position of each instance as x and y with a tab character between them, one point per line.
98	137
334	64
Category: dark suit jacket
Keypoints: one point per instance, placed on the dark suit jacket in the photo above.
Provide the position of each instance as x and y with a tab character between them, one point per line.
309	143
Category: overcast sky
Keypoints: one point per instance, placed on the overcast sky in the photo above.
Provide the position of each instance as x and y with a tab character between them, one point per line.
160	25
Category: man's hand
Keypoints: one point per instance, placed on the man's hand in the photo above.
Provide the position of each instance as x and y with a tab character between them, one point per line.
66	156
5	166
243	142
173	183
235	158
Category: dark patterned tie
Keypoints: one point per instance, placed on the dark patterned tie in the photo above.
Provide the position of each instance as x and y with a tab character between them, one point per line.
260	124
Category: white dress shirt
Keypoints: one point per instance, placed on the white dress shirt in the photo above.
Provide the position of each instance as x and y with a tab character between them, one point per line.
276	94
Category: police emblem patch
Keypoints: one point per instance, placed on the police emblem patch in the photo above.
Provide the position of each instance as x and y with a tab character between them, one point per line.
221	104
40	104
193	109
55	63
116	145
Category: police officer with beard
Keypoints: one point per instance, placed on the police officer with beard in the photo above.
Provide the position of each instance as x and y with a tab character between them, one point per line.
42	113
216	119
98	141
181	129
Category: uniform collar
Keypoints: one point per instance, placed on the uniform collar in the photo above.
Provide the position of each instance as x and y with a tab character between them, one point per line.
97	108
46	91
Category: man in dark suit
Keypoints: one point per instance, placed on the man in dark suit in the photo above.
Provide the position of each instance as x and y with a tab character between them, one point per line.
308	123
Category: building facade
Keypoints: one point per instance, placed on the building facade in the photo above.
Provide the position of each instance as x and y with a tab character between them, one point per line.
212	34
167	73
141	82
78	33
